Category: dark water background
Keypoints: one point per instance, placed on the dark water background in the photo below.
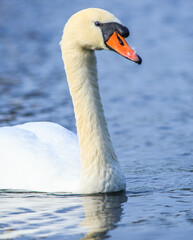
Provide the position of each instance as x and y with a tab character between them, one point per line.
149	109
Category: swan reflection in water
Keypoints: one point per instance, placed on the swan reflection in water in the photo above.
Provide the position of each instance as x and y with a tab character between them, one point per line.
39	215
102	213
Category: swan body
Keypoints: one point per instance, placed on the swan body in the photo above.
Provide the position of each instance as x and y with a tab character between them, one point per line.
43	156
32	158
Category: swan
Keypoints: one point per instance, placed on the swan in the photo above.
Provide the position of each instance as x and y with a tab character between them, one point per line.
46	157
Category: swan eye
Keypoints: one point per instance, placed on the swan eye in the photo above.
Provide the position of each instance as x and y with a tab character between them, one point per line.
98	24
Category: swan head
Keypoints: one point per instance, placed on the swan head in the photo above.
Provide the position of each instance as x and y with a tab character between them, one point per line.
97	29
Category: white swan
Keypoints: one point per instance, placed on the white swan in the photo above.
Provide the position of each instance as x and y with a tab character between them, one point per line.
43	156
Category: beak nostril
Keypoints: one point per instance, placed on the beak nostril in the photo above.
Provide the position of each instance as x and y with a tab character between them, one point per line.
120	41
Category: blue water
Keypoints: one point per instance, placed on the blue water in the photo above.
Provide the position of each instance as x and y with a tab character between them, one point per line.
149	110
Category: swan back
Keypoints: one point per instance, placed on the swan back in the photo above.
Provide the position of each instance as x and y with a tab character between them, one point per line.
39	156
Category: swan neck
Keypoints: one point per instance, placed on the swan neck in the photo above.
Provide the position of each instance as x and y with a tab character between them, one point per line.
94	139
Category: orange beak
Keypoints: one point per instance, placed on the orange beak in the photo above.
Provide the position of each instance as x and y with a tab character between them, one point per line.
119	45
